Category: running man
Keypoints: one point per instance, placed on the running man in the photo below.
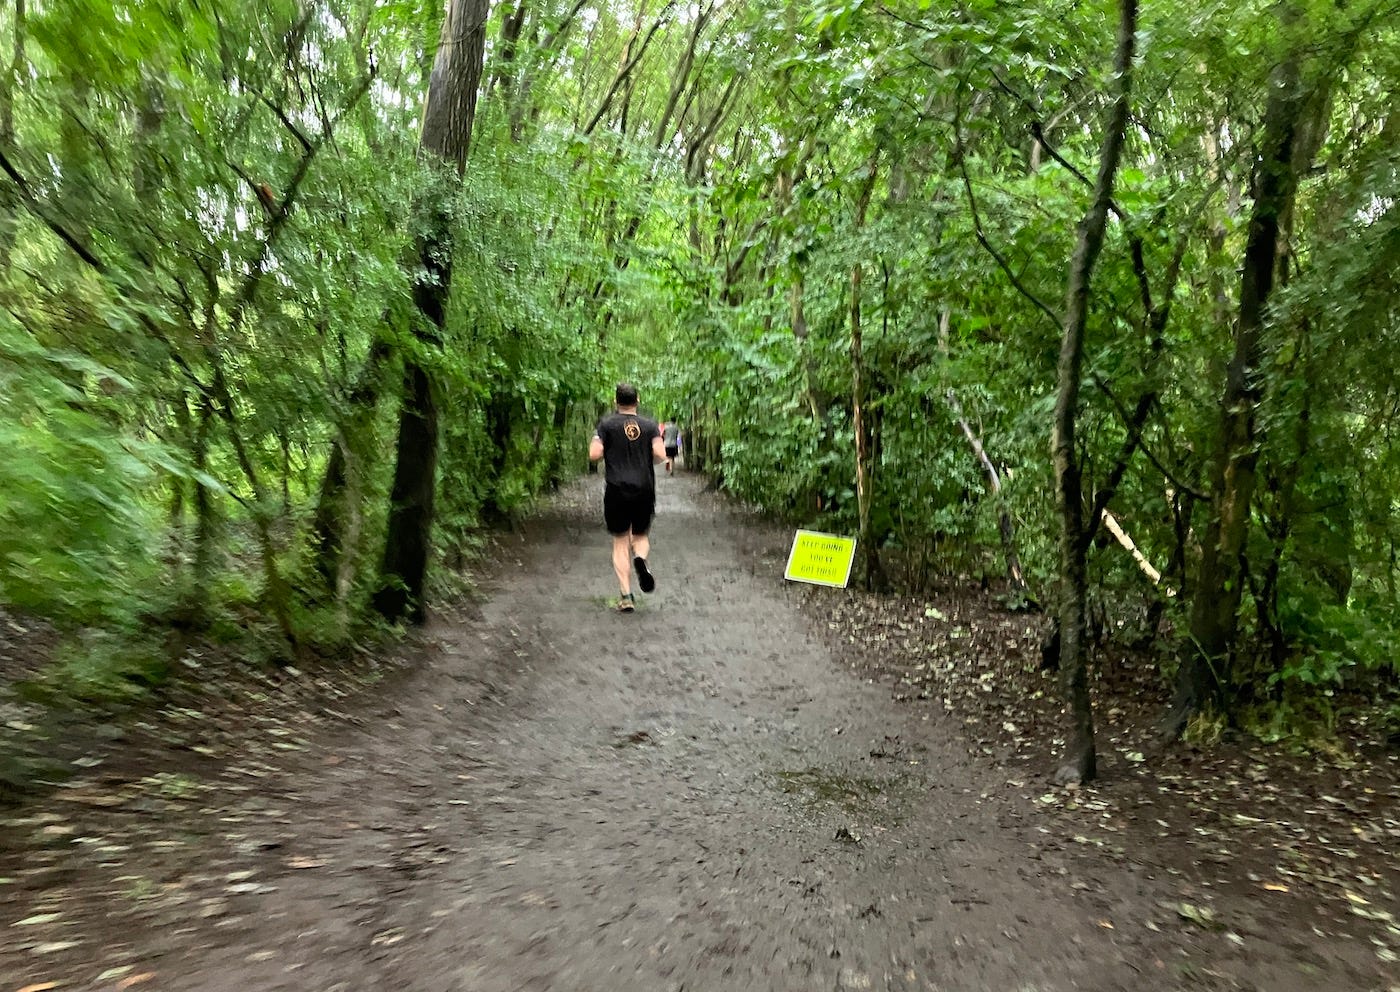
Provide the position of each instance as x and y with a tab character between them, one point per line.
629	446
671	436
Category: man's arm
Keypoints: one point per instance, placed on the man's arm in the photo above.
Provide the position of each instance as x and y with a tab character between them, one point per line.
595	448
658	449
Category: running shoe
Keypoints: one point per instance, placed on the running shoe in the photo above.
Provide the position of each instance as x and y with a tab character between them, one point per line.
644	578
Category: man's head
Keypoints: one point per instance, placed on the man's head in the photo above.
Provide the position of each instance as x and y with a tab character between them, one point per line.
626	394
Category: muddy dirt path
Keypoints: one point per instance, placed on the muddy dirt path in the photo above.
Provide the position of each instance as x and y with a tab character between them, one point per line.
697	796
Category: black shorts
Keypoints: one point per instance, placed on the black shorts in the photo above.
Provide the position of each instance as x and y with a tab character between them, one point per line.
672	451
628	509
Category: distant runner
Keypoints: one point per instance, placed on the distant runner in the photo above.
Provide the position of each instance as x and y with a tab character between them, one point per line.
629	446
671	436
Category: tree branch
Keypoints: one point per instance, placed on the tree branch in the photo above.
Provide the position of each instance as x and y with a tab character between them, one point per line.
287	122
1154	317
564	24
1157	318
37	208
1130	445
1020	287
627	68
284	207
682	74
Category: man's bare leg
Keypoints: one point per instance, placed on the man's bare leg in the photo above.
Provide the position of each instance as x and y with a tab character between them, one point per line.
641	547
622	561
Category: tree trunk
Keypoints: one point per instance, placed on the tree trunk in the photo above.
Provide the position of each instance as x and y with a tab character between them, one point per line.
9	201
336	508
206	523
563	404
447	127
183	430
512	23
1005	525
872	573
500	422
409	540
703	452
870	555
276	590
695	443
519	106
1080	762
452	88
146	166
1205	653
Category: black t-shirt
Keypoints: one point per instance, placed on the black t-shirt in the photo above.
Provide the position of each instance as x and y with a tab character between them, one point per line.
627	441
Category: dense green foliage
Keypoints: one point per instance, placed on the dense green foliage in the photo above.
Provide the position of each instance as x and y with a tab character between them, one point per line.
832	240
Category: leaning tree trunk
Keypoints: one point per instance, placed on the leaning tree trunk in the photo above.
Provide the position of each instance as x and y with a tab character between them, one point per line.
1079	765
9	78
1015	575
1205	653
447	128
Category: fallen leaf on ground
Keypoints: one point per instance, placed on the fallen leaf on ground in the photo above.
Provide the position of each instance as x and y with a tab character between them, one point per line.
30	921
1199	915
41	987
127	983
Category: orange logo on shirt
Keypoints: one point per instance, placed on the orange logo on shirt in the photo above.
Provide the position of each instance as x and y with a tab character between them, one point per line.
633	430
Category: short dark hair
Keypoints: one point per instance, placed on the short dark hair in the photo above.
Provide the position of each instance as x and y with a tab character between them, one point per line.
626	394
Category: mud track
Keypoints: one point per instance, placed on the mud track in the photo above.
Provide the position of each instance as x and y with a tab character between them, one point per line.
698	796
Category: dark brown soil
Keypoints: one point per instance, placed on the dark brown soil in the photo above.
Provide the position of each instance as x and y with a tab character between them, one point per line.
715	793
1298	836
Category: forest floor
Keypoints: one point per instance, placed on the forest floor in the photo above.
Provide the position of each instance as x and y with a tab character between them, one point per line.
744	785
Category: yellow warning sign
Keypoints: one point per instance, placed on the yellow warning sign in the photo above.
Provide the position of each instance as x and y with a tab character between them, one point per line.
822	559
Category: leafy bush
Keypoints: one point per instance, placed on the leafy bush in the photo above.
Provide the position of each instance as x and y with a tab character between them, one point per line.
78	533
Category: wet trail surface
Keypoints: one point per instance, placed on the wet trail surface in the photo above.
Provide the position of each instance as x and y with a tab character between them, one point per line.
697	796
